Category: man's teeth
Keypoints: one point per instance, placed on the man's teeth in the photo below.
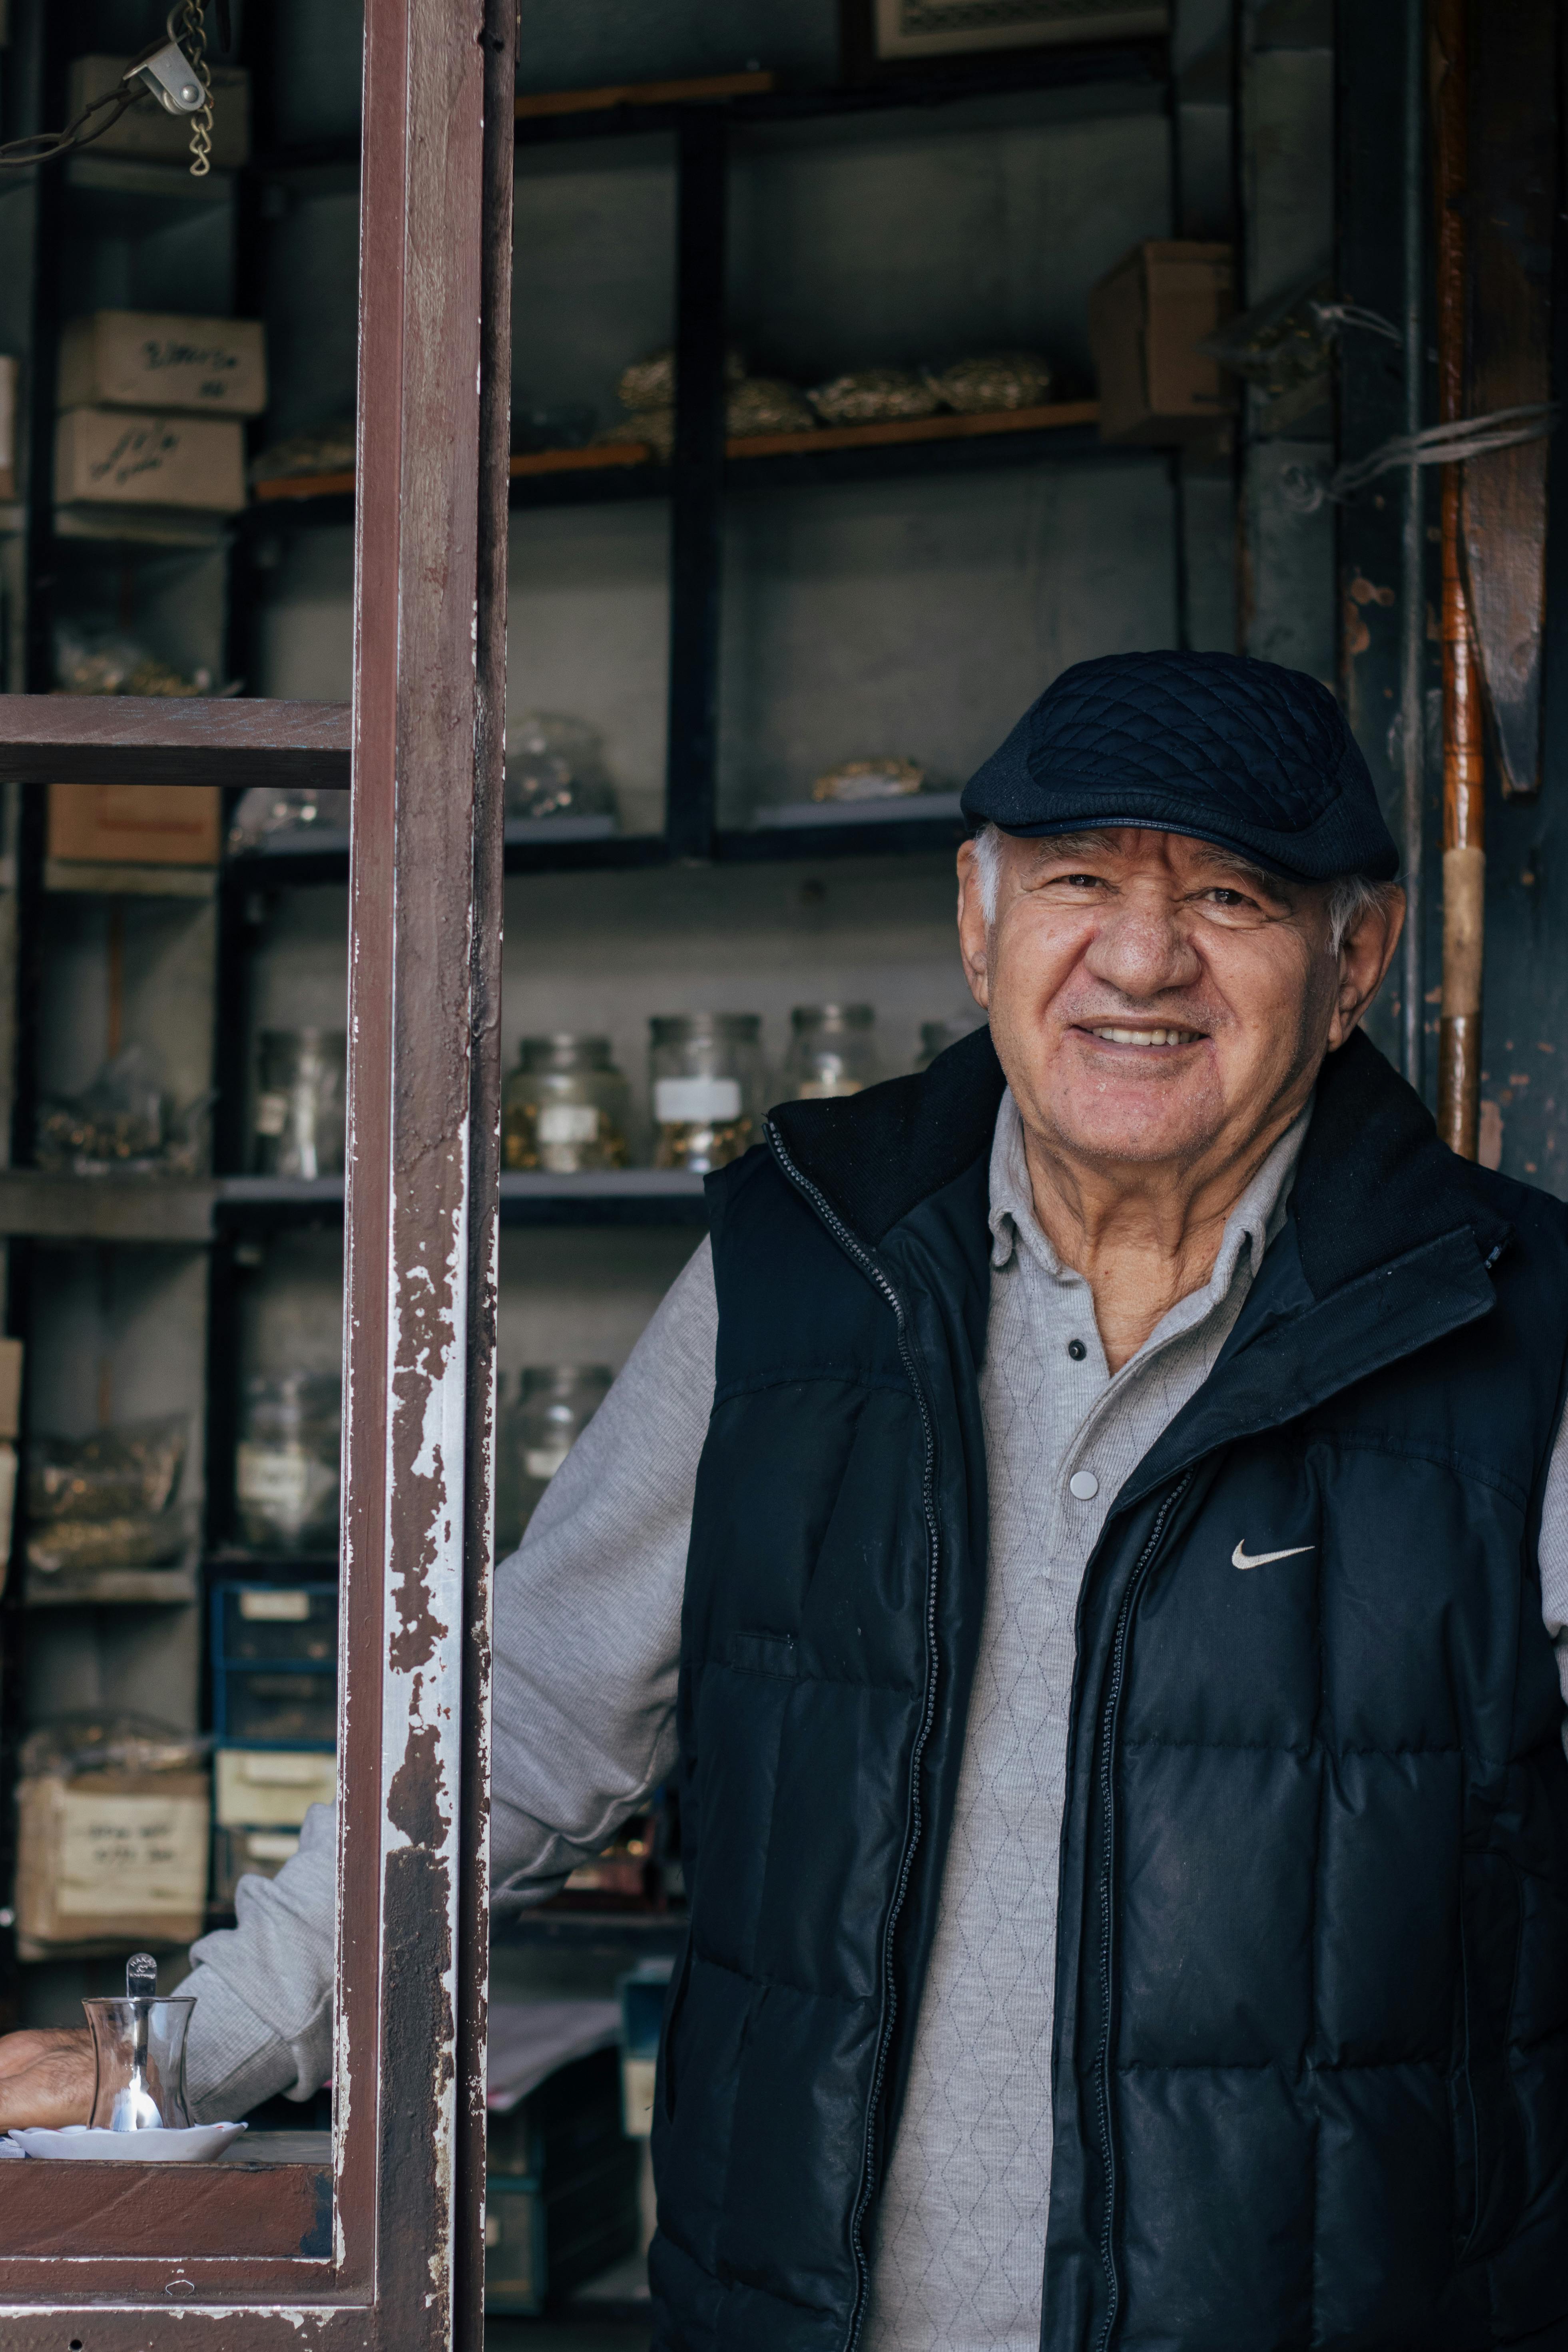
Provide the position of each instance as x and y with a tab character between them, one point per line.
1143	1036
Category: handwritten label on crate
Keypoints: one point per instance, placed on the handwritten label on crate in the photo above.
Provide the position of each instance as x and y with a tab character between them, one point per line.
128	1853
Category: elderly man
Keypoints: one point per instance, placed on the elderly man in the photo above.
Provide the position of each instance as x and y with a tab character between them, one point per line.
1089	1530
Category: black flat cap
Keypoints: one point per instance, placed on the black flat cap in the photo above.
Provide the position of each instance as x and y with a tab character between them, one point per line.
1244	753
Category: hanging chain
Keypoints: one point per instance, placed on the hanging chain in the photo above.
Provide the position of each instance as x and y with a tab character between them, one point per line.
188	25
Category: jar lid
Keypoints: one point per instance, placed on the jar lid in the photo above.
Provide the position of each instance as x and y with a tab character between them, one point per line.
675	1028
562	1051
834	1016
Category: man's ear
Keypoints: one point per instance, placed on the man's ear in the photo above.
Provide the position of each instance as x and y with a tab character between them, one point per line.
973	932
1365	954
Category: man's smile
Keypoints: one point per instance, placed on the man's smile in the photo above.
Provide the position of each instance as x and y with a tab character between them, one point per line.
1145	1036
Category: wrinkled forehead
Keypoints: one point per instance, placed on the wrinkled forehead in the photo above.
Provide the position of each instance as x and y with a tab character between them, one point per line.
1132	847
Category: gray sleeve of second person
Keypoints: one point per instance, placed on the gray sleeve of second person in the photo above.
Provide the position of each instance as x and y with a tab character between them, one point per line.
587	1631
587	1637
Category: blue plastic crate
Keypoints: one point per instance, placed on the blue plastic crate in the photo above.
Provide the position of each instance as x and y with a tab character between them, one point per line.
275	1665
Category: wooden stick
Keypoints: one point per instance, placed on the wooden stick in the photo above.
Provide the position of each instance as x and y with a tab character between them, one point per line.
1464	803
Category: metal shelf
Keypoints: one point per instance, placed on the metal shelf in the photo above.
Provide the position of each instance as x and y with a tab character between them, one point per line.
185	1214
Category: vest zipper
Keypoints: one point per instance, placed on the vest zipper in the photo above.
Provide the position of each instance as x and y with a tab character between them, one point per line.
1107	1890
860	1257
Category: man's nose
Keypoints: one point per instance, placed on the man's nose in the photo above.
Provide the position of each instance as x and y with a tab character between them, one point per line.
1142	949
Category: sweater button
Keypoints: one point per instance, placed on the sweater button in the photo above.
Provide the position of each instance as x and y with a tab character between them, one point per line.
1077	1350
1083	1485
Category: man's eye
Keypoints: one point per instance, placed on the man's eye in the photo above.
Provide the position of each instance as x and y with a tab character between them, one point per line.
1222	897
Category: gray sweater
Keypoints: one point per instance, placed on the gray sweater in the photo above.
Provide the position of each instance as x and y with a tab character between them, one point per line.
587	1637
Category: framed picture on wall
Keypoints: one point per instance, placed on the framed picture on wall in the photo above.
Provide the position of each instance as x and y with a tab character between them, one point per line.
883	34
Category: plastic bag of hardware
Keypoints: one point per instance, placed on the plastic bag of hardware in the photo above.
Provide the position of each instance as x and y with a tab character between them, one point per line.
999	380
872	396
130	1471
764	404
90	1741
325	449
118	1122
868	780
72	1549
650	383
105	661
555	767
265	814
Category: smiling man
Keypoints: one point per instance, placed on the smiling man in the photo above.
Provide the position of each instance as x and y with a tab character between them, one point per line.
1090	1532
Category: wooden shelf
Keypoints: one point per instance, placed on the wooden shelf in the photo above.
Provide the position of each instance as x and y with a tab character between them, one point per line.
699	89
127	739
634	459
906	431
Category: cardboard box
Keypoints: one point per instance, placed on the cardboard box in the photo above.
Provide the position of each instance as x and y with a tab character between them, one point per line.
10	1388
115	457
161	360
9	373
1146	318
144	130
135	824
110	1857
272	1788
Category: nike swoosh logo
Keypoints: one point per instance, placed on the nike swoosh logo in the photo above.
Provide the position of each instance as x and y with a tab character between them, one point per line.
1239	1557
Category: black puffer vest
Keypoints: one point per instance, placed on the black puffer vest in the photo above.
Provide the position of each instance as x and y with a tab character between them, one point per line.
1311	2011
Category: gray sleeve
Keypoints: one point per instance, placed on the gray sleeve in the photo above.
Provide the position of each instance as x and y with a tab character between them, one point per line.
1553	1553
587	1637
587	1618
263	2018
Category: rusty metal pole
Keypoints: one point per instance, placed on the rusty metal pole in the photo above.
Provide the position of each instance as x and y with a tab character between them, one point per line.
1464	803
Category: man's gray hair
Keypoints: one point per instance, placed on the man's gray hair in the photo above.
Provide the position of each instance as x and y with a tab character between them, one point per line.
1350	896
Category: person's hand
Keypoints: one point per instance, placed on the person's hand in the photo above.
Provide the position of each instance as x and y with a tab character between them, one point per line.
46	2077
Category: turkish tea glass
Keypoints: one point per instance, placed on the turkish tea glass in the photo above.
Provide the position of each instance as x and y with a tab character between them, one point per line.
139	2056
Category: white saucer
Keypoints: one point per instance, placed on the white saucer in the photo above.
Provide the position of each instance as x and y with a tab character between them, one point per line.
198	2146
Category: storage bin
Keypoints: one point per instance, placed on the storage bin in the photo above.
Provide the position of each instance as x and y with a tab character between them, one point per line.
271	1787
275	1665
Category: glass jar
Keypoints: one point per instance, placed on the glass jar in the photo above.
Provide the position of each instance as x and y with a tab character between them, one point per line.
565	1106
707	1074
554	1405
299	1107
286	1465
831	1053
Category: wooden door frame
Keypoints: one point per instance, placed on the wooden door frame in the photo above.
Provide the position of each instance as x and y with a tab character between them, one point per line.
388	2249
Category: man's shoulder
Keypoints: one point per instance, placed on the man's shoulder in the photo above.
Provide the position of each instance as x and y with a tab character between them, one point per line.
873	1158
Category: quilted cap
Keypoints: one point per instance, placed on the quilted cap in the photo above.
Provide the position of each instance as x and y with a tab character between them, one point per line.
1244	753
